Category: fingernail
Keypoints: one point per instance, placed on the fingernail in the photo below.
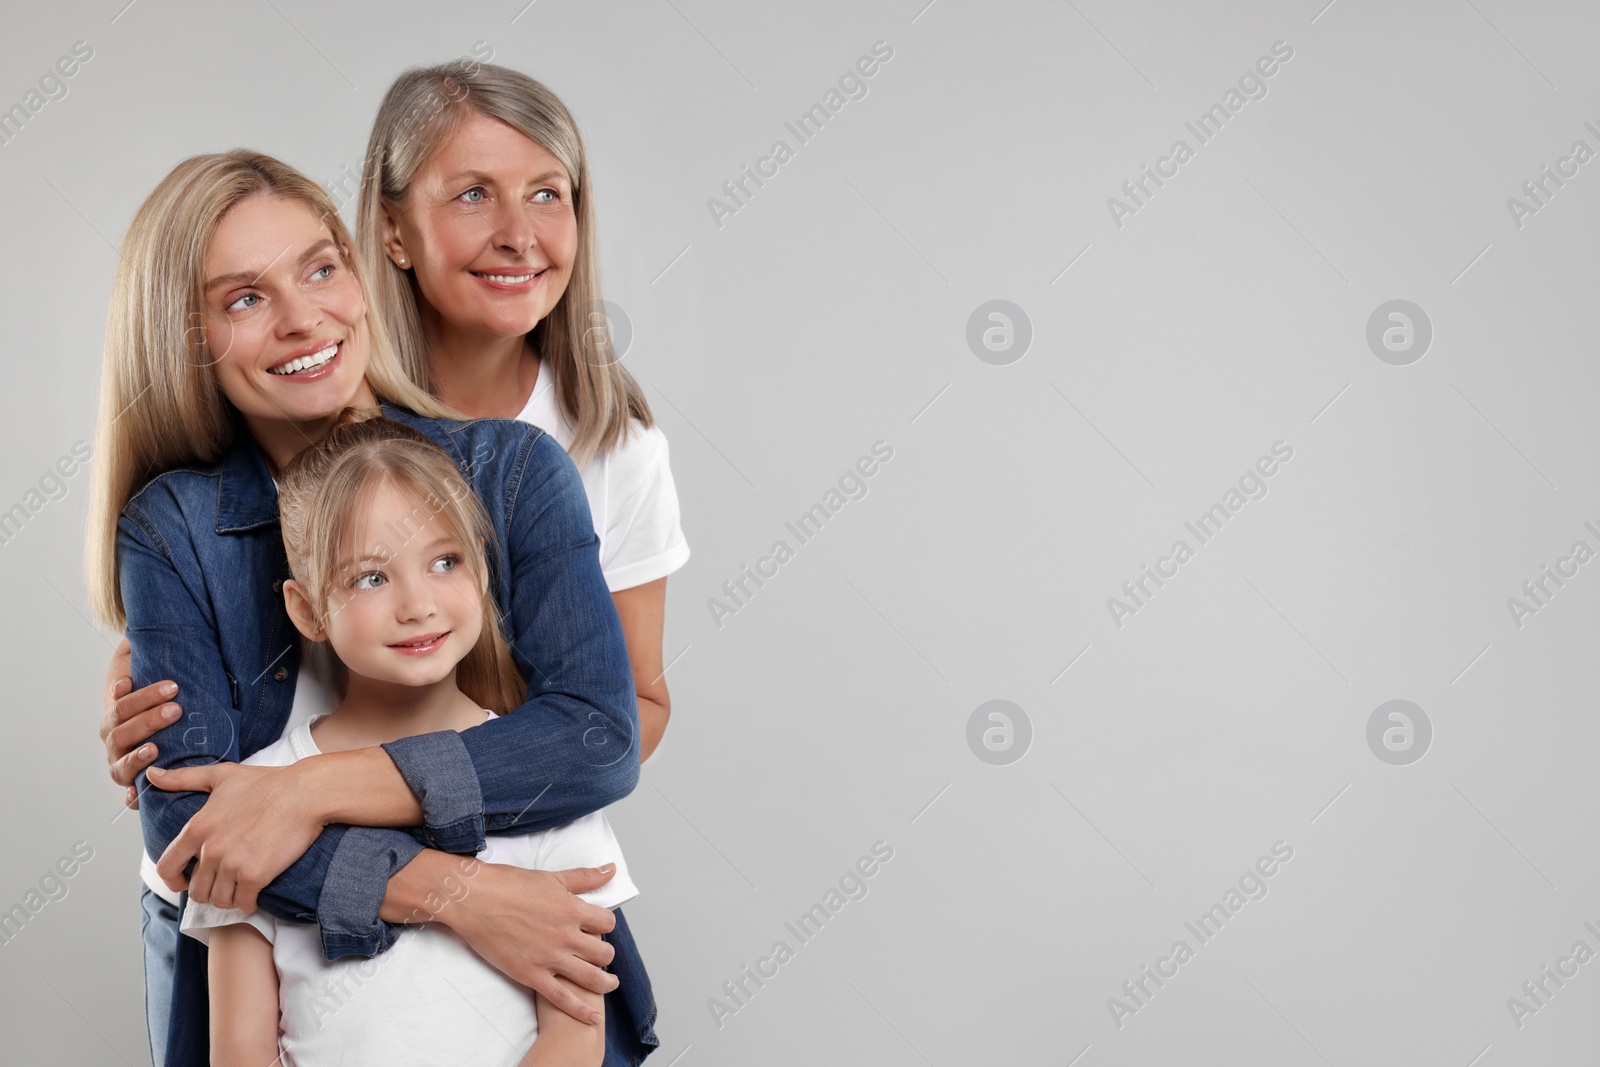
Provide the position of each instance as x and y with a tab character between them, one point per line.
594	1017
170	713
157	771
144	751
608	868
168	688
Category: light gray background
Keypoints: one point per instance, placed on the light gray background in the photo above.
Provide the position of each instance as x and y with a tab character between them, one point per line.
830	313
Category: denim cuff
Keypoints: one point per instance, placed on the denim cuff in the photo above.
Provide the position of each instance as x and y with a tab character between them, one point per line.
440	772
358	877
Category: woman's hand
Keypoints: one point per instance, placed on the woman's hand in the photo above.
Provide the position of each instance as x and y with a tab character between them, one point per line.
528	925
132	718
257	822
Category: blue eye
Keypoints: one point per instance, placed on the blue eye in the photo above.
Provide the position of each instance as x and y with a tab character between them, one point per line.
326	272
240	305
446	564
468	195
370	580
555	197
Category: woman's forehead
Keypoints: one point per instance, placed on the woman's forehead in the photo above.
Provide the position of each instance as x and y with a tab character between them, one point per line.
260	232
490	144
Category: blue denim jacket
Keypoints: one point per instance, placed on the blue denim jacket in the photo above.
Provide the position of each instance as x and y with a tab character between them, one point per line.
202	563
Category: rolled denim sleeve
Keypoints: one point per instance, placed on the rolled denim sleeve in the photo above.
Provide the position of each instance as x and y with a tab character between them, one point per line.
358	877
571	747
439	771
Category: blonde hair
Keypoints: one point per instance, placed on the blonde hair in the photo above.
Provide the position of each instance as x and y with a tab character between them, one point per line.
421	110
160	405
327	488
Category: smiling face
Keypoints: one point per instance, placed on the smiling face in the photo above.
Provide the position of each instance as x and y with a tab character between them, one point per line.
285	318
406	606
489	228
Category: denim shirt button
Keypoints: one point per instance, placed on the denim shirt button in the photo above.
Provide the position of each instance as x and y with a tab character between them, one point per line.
280	674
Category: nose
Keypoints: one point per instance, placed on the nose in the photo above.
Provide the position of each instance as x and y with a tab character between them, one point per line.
415	601
298	313
513	230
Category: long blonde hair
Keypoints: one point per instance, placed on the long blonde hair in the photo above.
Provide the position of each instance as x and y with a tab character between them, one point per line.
160	405
421	109
326	489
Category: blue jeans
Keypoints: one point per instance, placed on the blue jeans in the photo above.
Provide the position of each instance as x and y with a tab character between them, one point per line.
630	1009
159	928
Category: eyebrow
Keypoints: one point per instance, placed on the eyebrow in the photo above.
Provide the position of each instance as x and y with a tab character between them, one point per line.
479	176
443	542
251	277
436	544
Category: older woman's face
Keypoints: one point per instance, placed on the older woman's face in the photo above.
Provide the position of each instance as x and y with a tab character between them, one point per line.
489	228
285	319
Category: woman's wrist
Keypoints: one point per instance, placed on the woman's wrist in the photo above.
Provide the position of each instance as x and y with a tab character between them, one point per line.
361	787
429	888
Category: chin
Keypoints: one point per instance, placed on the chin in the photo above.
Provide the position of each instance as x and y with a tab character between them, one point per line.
511	326
325	404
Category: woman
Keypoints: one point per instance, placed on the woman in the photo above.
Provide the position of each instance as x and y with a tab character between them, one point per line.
476	228
238	330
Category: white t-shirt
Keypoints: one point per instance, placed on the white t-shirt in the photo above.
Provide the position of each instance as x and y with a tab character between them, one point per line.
430	998
631	495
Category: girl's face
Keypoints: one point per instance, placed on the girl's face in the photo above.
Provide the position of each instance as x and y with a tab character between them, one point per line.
489	229
407	608
284	317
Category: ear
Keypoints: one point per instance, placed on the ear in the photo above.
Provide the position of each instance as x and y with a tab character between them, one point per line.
483	569
393	246
300	613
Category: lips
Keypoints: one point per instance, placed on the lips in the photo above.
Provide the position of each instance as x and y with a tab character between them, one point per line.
309	361
511	279
423	645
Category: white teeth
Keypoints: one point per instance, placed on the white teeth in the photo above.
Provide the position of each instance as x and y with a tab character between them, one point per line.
311	362
509	279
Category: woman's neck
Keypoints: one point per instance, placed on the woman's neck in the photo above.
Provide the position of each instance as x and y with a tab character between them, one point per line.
374	713
281	440
482	376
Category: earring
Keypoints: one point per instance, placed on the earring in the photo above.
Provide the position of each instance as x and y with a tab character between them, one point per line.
403	261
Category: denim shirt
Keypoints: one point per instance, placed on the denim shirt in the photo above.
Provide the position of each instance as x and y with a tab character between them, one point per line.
202	566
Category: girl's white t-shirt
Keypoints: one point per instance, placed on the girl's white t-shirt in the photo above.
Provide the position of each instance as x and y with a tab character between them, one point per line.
356	1011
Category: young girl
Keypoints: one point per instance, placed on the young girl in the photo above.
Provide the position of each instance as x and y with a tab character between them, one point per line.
387	546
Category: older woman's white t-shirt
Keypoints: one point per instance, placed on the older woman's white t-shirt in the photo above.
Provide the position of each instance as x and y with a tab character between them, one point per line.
631	495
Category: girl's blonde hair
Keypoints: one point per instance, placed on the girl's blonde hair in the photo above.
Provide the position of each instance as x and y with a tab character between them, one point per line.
326	490
160	405
422	108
